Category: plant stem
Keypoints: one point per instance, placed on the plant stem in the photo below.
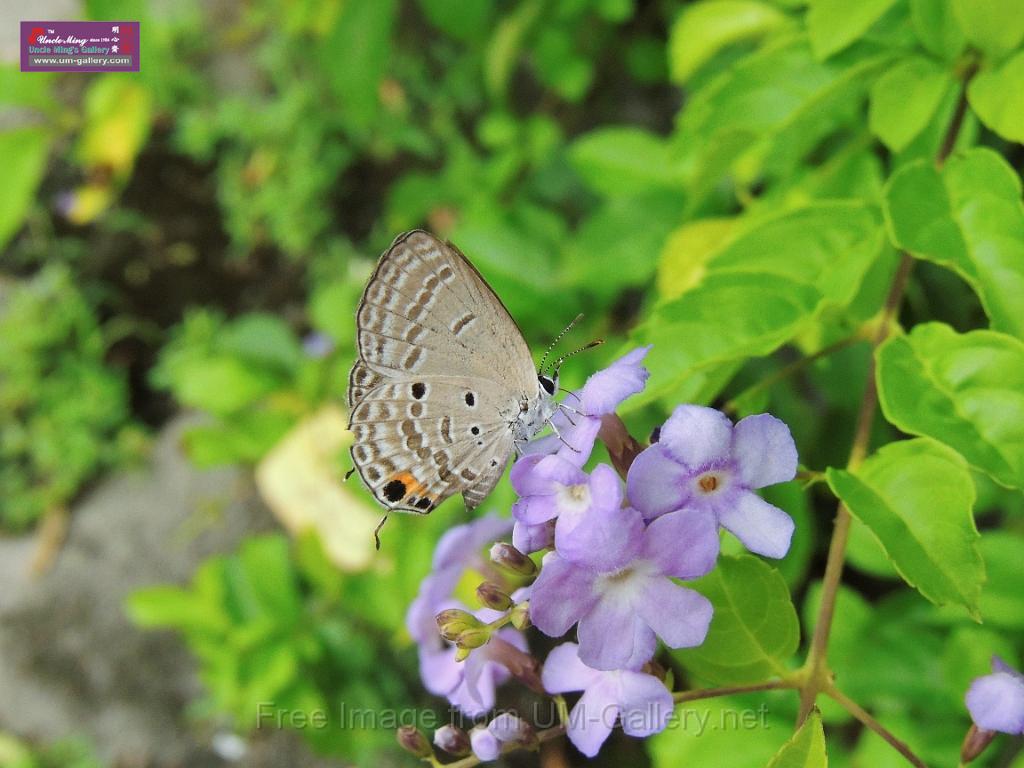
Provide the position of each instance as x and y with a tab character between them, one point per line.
818	676
681	697
865	717
788	370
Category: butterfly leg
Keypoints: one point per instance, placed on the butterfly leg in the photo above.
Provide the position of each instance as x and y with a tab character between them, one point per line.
376	531
568	410
554	429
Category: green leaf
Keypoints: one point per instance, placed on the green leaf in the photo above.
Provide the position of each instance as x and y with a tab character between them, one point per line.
24	151
767	112
745	301
994	26
997	96
905	98
221	384
937	28
1002	601
175	608
269	570
363	32
624	161
967	217
466	20
968	654
261	339
965	390
746	729
835	24
806	749
916	496
703	29
754	630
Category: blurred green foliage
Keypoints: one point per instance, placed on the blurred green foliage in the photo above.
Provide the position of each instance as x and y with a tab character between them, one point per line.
63	413
729	180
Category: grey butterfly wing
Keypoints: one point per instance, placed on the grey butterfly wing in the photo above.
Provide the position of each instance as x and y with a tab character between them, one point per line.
418	443
427	311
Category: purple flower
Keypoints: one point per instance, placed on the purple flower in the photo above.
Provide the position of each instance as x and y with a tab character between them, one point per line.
996	701
469	685
601	394
505	728
620	612
641	701
533	538
591	526
704	462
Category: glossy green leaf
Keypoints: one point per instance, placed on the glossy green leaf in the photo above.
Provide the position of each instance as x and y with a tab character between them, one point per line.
994	26
806	749
835	24
916	496
754	630
742	301
937	28
997	97
1002	601
624	161
905	99
703	29
769	110
24	151
965	390
967	217
745	728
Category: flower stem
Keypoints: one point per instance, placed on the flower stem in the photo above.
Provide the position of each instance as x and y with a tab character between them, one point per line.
862	714
788	370
817	675
681	697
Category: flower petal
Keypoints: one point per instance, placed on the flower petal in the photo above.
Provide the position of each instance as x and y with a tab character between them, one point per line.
656	483
763	528
533	538
485	744
440	673
611	637
508	727
679	616
564	672
460	544
697	436
522	477
604	536
683	544
535	510
996	702
646	704
561	594
592	719
764	451
607	388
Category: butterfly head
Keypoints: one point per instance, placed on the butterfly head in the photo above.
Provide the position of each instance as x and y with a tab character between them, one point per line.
548	384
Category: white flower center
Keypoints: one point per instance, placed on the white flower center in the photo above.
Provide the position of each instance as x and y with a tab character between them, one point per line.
574	498
711	482
625	584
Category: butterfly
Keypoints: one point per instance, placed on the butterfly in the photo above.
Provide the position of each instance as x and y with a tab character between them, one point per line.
444	389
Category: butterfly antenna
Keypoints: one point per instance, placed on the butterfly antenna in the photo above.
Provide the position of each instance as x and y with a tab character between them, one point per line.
558	363
558	338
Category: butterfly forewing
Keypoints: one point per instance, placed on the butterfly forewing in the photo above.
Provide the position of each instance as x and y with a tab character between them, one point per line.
442	371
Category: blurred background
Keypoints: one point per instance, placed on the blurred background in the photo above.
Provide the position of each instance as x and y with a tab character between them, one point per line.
181	253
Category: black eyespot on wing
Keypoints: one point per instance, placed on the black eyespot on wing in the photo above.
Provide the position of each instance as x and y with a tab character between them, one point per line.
475	430
419	389
424	504
394	491
470	399
548	383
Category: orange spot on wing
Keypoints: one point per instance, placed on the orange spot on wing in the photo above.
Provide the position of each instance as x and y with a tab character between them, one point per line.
413	487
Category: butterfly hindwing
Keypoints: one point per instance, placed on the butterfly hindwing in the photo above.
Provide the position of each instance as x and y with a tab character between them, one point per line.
419	442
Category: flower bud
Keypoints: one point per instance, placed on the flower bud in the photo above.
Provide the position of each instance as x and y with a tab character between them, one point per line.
492	596
473	638
975	742
506	556
452	740
461	654
510	729
520	617
454	621
413	741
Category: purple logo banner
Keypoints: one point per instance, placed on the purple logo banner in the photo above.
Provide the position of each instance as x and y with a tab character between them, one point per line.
79	46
